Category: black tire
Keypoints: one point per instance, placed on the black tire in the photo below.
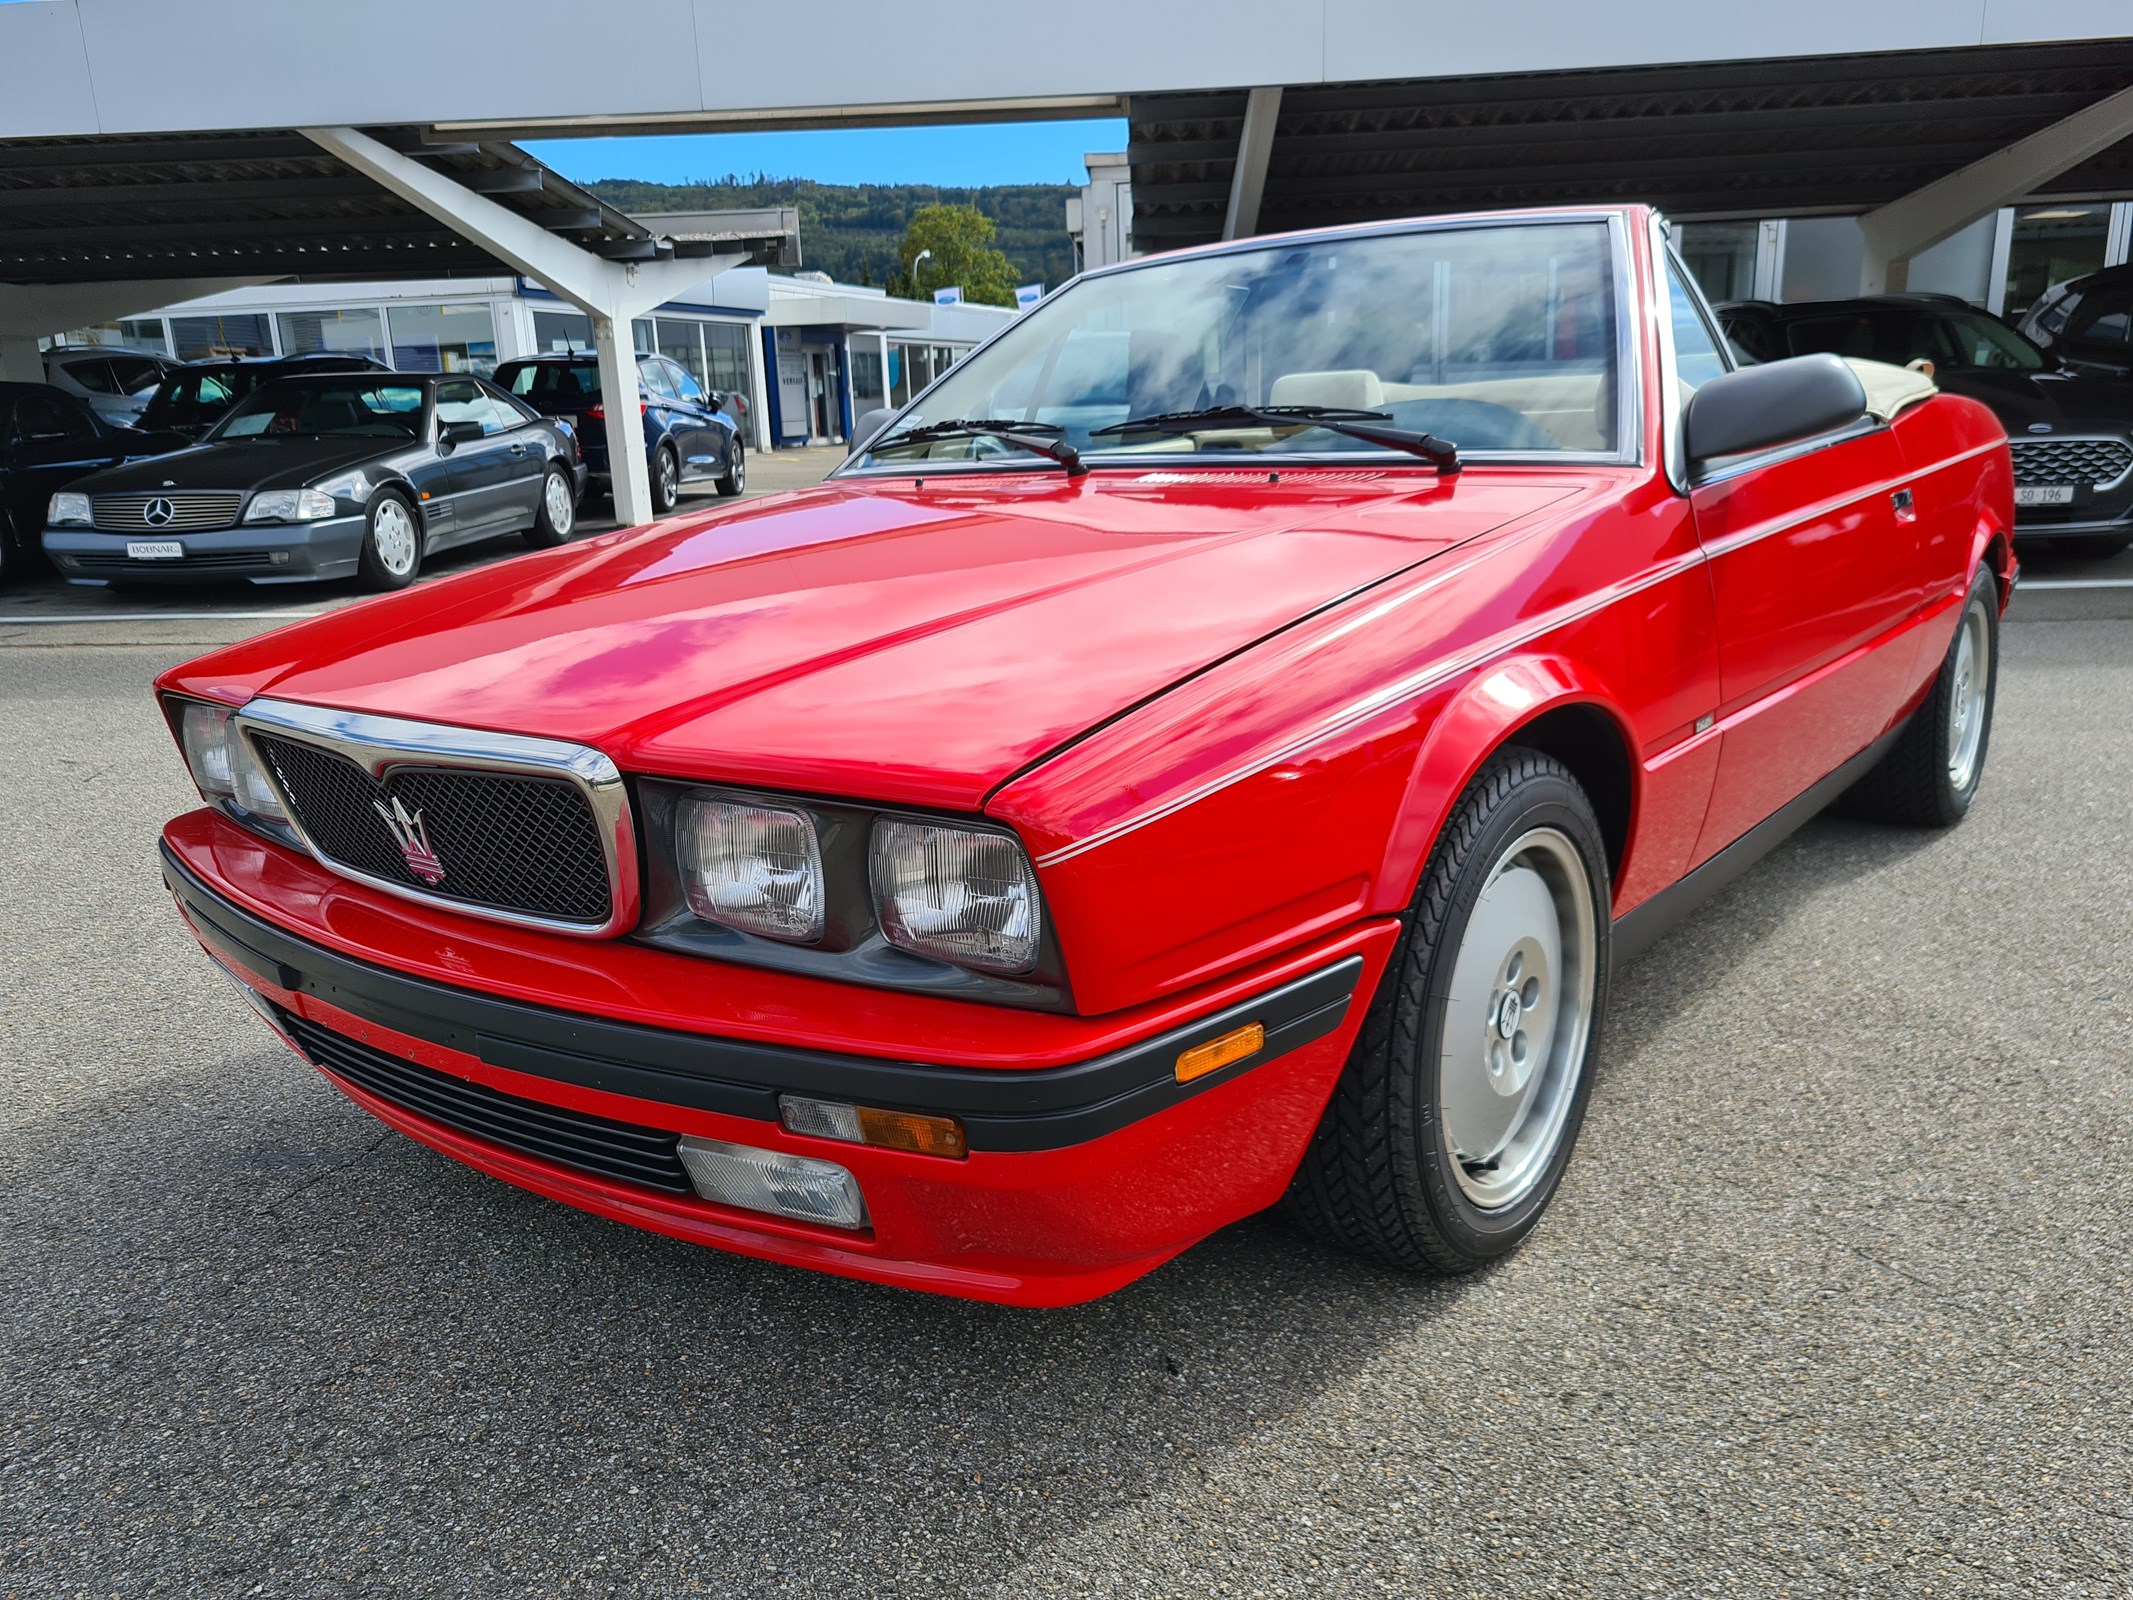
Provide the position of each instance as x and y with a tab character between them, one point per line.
1916	784
666	480
1379	1176
557	518
735	478
382	567
2090	549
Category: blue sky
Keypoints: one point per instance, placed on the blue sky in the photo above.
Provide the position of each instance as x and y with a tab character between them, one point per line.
1003	152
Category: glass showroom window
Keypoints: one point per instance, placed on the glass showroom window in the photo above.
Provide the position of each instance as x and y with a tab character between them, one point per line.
726	353
867	394
2050	244
1721	257
643	337
567	331
234	334
683	343
444	339
355	331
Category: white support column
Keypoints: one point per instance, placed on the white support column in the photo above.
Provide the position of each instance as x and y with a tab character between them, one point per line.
1248	185
1921	219
612	293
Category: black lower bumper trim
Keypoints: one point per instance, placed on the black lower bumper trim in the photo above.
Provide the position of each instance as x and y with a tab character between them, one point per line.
1001	1110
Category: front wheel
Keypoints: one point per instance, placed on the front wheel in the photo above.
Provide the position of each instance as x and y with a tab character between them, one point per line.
392	543
736	475
1931	773
557	517
1450	1127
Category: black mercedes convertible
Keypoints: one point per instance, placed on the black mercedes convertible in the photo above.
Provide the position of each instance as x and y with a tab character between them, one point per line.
335	475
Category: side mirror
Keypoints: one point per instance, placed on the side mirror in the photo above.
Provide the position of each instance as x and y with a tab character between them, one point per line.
1760	408
451	435
869	424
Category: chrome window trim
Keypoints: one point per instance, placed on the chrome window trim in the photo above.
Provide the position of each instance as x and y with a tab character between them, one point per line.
381	744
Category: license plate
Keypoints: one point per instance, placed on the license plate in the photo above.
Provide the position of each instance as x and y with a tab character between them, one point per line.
2045	494
163	549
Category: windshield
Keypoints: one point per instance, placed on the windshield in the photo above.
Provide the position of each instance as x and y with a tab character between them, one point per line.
1495	338
1954	340
352	409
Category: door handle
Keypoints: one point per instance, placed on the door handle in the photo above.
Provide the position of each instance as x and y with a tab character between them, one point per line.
1906	511
518	449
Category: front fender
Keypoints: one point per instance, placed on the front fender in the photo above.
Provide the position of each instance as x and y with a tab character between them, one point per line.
1486	713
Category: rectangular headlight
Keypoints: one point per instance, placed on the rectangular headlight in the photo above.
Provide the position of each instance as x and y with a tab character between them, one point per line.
68	511
752	867
223	763
289	505
956	894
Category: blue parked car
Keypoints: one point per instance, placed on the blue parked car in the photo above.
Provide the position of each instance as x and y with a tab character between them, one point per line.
687	435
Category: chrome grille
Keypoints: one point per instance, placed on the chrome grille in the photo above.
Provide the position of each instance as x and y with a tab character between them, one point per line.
506	841
2094	463
190	512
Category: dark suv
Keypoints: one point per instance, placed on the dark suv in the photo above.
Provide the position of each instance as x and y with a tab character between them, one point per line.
687	434
2087	322
2071	432
193	397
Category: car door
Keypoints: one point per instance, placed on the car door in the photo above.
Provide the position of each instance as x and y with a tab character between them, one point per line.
519	429
51	441
662	410
1815	575
702	451
483	472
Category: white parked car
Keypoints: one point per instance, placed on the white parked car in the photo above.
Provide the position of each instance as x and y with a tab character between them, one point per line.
113	382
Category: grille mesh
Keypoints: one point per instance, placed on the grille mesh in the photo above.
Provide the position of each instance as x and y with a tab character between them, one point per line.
119	561
511	842
128	513
621	1150
2076	461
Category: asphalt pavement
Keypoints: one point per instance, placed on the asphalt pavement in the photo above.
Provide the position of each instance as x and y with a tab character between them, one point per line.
1835	1300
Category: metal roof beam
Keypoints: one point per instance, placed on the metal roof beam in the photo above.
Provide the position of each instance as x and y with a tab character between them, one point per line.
1921	219
1262	109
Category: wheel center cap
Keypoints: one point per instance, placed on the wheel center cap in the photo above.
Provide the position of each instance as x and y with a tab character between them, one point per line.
1507	1016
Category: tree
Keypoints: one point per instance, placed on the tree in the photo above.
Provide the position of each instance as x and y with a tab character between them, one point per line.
960	238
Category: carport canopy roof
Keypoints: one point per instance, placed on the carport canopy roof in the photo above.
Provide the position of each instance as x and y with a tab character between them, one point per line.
272	204
1745	138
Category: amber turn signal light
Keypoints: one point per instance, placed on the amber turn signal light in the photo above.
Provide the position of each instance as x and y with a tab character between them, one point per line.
884	1130
1216	1054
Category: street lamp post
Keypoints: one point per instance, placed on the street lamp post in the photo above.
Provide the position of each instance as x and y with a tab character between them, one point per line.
918	261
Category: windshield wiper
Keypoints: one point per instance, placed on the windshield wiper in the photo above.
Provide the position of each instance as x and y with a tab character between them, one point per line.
1363	425
1028	436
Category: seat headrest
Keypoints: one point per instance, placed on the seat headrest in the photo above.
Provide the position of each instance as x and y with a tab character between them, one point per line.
1356	389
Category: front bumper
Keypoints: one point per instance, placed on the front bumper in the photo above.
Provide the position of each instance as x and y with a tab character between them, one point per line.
266	552
1082	1175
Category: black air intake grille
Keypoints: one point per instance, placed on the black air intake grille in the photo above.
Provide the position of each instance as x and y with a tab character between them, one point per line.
499	839
2086	463
618	1150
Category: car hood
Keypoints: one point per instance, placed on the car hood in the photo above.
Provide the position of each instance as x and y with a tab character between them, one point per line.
243	464
2048	402
916	643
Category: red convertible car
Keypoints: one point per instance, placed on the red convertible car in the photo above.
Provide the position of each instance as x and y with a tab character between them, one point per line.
1209	750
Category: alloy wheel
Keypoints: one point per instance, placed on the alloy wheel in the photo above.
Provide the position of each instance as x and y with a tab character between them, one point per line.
1517	1018
1968	694
392	533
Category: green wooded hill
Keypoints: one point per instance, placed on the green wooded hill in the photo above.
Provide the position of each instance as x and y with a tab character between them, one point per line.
852	231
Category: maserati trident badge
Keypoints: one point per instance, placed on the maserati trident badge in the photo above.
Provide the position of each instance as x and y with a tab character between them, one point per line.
412	838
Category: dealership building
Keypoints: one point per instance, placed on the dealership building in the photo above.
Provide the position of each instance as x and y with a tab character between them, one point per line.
1827	147
805	355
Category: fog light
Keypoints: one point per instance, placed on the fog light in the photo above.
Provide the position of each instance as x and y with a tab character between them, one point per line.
768	1180
885	1130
